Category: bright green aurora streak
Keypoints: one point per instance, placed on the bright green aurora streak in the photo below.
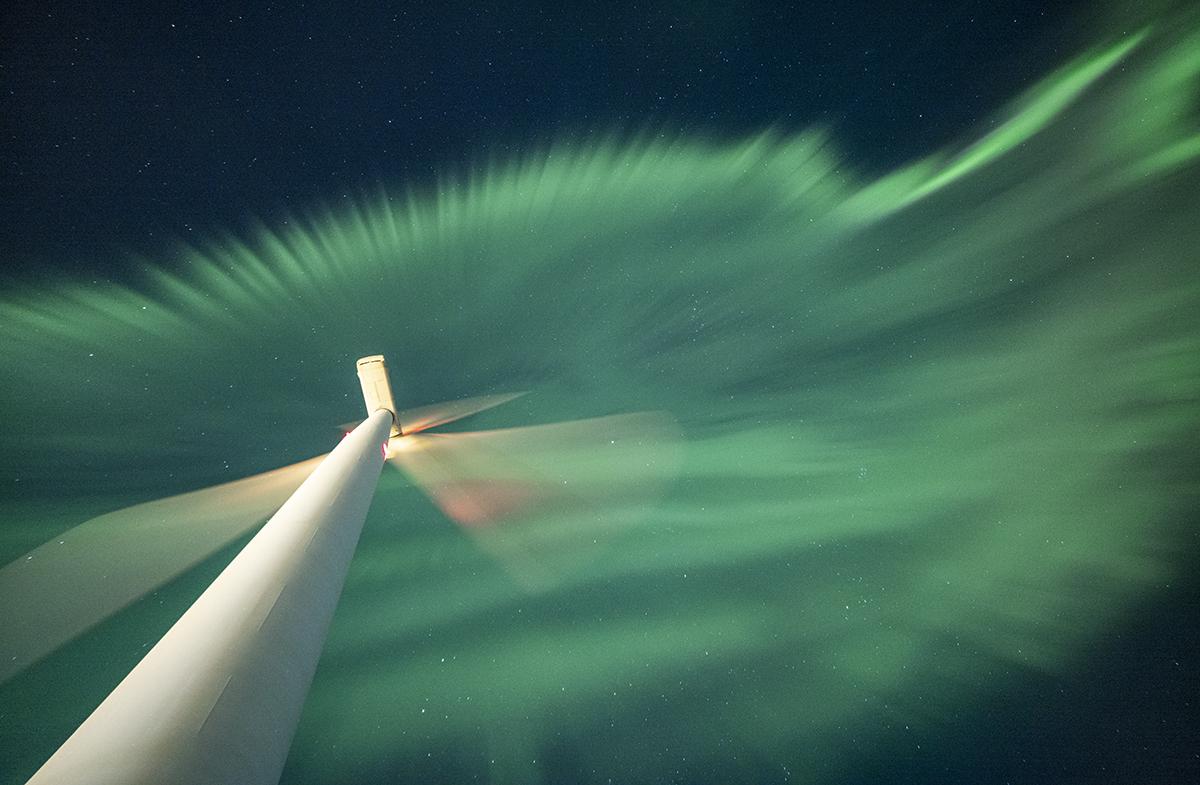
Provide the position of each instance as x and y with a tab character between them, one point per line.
938	433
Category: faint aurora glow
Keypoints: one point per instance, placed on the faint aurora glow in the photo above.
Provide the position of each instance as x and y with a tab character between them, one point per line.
939	427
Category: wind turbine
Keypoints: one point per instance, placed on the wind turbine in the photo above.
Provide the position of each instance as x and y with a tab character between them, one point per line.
218	698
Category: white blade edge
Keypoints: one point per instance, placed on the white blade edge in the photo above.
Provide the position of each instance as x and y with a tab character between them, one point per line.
81	577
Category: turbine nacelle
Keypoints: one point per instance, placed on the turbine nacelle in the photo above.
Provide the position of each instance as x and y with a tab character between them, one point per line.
377	389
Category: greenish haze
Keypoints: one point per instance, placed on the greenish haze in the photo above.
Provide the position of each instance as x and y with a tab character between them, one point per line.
938	432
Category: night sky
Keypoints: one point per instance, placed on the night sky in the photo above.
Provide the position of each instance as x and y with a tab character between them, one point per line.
859	342
129	126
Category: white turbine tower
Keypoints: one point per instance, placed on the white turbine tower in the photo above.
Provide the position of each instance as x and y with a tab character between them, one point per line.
217	699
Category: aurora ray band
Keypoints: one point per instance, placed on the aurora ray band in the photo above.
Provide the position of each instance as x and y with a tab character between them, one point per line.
938	429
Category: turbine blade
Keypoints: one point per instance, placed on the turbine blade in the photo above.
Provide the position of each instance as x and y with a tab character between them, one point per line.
423	418
81	577
542	498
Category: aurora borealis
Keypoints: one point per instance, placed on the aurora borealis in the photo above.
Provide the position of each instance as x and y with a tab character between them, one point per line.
932	439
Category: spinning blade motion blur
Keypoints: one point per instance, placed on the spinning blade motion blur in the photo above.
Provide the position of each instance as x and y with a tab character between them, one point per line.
547	483
81	577
540	498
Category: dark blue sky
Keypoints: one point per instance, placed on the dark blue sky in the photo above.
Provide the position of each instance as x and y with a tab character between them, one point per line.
126	126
